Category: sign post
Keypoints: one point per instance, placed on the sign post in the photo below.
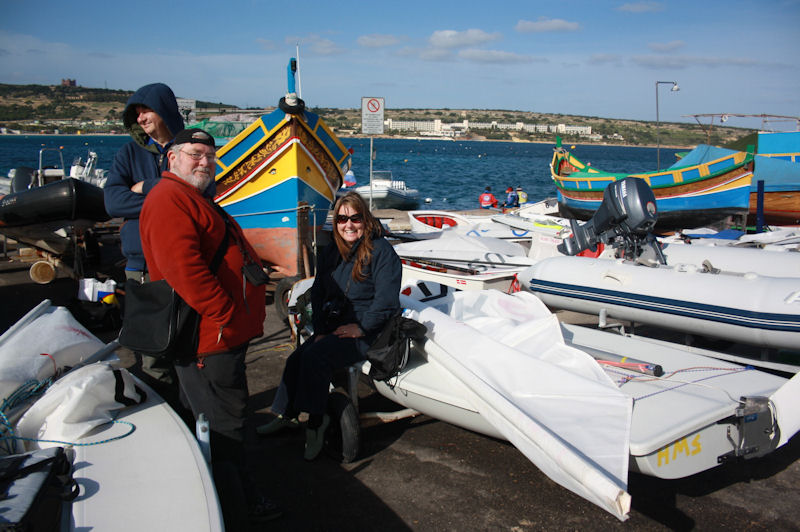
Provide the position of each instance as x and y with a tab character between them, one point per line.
371	124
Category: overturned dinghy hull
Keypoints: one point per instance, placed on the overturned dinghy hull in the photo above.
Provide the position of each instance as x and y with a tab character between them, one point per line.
501	365
745	307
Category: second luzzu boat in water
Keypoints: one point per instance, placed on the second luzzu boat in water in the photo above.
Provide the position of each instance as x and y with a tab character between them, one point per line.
279	177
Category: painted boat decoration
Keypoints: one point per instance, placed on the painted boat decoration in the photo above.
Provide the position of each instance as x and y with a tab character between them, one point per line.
686	196
279	177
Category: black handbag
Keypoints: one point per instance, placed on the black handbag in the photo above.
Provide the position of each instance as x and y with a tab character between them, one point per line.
388	354
158	322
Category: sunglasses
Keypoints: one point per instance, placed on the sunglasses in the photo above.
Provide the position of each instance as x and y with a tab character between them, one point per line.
355	218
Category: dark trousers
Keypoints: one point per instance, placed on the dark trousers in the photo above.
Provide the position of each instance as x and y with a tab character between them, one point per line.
309	370
218	390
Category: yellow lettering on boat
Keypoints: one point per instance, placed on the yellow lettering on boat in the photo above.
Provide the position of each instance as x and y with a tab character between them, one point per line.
663	454
696	448
682	447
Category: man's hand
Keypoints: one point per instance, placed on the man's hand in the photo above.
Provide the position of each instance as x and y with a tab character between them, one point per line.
138	187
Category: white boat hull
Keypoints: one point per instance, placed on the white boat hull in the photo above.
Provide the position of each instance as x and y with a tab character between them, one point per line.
747	308
144	471
681	424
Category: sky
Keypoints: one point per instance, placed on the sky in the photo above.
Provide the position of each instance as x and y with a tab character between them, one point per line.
583	57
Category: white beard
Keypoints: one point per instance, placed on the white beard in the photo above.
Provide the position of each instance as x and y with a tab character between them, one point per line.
198	180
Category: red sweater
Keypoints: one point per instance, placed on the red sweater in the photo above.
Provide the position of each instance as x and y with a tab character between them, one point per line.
181	232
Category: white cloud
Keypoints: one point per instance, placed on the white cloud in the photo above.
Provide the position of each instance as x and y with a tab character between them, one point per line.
316	45
461	39
681	62
544	24
641	7
434	54
666	46
605	59
266	44
496	56
378	40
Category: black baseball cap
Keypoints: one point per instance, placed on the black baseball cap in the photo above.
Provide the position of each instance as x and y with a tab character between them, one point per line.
194	135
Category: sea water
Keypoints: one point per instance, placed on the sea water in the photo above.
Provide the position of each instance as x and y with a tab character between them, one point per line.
451	173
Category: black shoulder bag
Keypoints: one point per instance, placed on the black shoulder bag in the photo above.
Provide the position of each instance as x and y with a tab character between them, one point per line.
157	321
388	354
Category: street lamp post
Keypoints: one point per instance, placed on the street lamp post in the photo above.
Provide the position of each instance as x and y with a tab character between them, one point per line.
658	138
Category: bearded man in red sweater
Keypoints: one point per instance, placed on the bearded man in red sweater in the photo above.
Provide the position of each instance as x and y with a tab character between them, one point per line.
182	231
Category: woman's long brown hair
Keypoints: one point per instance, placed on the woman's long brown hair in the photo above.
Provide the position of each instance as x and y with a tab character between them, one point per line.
371	227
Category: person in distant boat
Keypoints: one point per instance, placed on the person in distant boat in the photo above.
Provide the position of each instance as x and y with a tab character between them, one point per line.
182	231
355	293
152	118
512	200
487	199
522	196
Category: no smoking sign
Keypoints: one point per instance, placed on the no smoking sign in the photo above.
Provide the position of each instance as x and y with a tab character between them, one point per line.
371	116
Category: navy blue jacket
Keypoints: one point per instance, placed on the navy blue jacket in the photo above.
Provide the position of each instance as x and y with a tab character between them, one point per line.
139	161
371	301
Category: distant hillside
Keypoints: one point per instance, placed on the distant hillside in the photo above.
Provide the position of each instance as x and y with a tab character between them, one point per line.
44	108
56	102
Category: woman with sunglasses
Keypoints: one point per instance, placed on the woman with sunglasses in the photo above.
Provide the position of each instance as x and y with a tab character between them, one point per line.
355	293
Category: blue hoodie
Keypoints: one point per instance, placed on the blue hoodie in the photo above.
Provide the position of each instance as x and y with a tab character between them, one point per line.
139	160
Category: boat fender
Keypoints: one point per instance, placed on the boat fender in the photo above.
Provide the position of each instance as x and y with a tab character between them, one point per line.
292	109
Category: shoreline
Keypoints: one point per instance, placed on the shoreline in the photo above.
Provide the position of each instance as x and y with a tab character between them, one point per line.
389	137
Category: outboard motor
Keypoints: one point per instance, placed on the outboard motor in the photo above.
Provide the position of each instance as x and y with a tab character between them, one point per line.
624	220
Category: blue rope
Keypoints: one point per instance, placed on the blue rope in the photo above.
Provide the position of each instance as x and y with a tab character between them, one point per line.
73	444
28	390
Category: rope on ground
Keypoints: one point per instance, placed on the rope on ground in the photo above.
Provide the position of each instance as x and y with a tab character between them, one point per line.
280	347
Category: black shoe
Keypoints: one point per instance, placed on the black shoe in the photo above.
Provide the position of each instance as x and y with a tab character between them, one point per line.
264	510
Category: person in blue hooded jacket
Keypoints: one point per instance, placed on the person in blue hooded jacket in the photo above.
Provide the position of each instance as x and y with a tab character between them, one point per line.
152	118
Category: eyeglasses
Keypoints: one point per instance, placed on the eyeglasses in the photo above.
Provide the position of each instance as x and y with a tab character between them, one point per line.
211	157
355	218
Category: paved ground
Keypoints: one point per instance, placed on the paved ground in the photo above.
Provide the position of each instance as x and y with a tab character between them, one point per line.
423	474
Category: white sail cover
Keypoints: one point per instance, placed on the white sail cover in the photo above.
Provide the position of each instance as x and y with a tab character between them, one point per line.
45	339
552	401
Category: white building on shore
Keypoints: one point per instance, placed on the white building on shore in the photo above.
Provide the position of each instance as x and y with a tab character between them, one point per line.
436	128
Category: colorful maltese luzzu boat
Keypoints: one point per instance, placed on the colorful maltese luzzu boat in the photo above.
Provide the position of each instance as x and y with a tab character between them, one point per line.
279	177
687	196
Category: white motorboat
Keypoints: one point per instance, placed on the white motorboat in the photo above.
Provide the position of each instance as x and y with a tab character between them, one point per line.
135	462
388	193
